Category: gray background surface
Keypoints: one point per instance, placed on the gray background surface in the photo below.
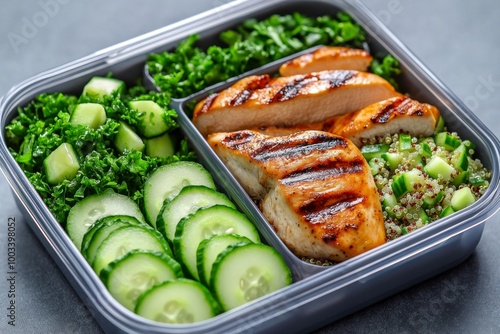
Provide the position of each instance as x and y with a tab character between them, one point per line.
458	40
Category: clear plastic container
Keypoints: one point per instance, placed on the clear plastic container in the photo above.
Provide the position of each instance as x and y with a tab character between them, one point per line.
319	295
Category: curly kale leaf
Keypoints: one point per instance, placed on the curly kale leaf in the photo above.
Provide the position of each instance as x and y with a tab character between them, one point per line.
189	69
44	124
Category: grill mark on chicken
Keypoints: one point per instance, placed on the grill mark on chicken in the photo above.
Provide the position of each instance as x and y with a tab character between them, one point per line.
323	170
292	147
241	98
207	104
239	139
325	206
335	79
400	105
257	82
289	91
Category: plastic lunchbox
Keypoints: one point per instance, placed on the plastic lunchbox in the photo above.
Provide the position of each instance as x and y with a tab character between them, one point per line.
319	295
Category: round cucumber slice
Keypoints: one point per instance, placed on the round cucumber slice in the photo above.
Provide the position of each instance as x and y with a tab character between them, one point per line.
86	212
210	248
108	220
243	273
189	200
127	238
129	276
101	234
181	301
168	180
204	223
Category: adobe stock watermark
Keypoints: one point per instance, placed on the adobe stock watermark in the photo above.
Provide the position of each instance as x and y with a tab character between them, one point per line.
393	7
423	317
483	91
31	25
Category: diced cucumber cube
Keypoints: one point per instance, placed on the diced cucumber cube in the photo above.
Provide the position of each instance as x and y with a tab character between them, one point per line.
161	146
447	141
152	122
92	115
376	165
461	178
374	151
431	201
99	87
462	198
415	159
439	125
447	211
393	160
426	149
388	204
407	182
127	140
460	159
437	166
423	216
469	145
405	142
61	164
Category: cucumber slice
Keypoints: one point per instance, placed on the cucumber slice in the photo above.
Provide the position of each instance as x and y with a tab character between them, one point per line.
388	203
61	164
243	273
99	87
422	215
181	301
168	180
407	182
92	115
210	248
89	250
86	212
460	178
87	237
460	159
127	140
438	167
129	276
447	141
462	198
439	125
127	238
151	120
161	146
374	151
415	160
393	160
376	165
447	211
405	143
189	200
430	200
215	220
426	148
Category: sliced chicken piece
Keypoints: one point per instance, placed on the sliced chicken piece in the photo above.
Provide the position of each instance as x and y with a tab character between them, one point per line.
395	115
288	101
328	58
315	188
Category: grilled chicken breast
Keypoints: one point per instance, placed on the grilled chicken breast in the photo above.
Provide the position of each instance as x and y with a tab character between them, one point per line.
286	101
328	58
315	188
395	115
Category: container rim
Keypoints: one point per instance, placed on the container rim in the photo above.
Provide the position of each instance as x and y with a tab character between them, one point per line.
299	293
